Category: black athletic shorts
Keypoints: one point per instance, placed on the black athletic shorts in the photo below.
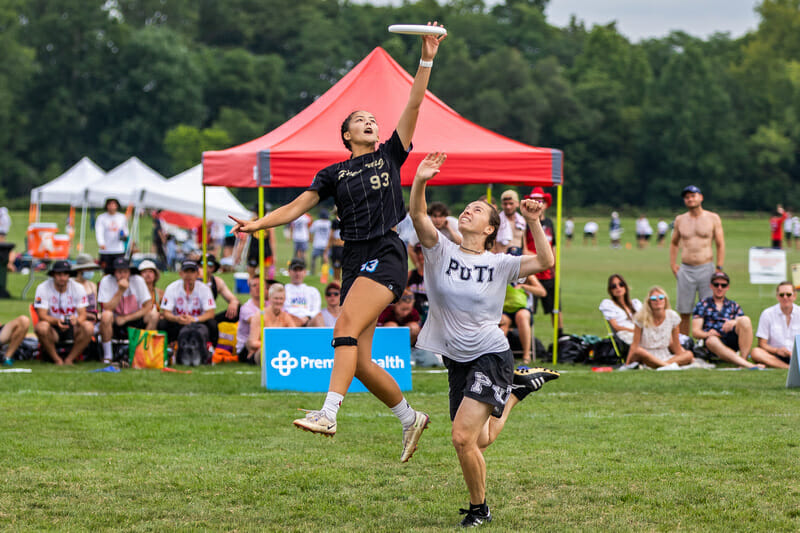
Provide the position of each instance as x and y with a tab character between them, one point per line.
383	259
548	302
486	379
730	339
337	255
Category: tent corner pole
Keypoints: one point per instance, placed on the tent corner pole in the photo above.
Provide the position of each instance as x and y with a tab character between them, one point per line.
261	281
557	288
204	237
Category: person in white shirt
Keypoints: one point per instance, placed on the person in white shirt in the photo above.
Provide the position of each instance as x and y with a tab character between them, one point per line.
327	317
61	304
569	230
643	231
303	302
321	234
125	302
796	231
778	327
185	302
662	227
590	232
466	286
111	228
299	230
511	233
5	223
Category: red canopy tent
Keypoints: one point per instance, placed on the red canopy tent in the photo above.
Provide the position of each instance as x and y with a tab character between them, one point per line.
291	154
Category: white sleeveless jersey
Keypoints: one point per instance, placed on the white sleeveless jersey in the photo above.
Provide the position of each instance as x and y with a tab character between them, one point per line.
465	296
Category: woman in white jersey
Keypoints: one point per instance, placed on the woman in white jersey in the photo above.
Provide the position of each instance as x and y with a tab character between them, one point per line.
369	200
466	286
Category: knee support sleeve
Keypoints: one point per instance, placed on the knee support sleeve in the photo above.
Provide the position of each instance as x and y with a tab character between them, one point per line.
344	341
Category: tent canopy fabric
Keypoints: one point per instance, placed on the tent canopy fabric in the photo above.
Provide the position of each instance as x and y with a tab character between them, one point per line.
66	189
122	183
290	155
184	194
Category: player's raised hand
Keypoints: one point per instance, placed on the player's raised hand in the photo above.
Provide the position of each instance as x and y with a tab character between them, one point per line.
430	43
430	166
531	208
242	226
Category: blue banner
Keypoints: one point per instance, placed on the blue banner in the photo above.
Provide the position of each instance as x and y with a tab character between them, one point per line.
301	359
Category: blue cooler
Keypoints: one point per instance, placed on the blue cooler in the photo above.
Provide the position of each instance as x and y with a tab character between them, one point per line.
241	282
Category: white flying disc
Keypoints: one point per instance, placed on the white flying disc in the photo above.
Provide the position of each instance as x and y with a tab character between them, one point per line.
417	29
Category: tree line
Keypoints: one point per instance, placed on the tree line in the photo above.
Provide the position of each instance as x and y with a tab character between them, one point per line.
166	79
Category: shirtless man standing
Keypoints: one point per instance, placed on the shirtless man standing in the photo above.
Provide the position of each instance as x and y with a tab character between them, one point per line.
693	234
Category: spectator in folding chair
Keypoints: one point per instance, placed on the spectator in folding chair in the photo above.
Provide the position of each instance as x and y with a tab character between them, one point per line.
60	304
186	302
126	302
619	309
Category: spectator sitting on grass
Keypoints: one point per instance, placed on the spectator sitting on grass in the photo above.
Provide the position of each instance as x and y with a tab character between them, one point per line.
303	301
61	304
248	333
126	302
402	314
11	335
655	336
723	326
185	302
327	317
778	327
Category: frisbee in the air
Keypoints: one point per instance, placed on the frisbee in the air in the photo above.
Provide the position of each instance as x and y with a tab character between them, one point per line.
417	29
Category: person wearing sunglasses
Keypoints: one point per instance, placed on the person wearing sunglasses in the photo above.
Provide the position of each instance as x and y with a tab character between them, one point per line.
619	309
326	318
778	327
722	325
656	342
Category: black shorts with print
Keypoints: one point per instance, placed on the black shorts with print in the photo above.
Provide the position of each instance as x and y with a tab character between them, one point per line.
486	379
384	259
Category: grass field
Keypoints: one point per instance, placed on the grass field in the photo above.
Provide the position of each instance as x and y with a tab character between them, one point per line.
638	451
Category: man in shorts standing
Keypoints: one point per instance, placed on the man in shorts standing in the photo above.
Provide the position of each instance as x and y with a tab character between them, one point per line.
693	235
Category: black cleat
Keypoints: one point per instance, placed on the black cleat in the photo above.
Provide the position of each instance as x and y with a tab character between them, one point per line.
528	380
475	517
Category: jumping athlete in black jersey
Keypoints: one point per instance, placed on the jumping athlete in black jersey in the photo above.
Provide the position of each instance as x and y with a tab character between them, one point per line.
368	196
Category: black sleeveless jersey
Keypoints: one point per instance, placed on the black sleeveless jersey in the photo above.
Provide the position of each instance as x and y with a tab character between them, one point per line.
367	191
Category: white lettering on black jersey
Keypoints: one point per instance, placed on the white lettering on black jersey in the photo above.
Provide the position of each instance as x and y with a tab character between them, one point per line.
367	191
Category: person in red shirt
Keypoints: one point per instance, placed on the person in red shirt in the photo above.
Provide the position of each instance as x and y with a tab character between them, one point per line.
402	314
776	226
547	277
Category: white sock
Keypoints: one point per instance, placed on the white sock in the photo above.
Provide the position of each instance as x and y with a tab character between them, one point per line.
405	413
331	406
107	351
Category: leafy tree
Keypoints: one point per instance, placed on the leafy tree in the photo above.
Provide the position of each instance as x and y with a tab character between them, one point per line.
186	144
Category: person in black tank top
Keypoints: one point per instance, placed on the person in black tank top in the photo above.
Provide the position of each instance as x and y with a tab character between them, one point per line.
368	196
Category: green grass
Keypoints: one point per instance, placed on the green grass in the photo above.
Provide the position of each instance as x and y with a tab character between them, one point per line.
638	451
211	450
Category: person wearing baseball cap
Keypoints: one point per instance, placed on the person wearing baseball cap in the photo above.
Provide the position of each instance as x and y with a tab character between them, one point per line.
61	305
547	278
722	324
125	302
187	302
303	302
695	235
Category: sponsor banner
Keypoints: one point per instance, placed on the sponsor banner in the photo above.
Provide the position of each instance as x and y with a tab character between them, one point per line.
301	359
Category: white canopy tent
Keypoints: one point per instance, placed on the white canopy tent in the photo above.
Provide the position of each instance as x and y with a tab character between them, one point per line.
122	183
68	187
183	193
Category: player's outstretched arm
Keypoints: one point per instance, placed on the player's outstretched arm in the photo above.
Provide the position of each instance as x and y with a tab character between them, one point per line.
408	119
418	207
279	217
